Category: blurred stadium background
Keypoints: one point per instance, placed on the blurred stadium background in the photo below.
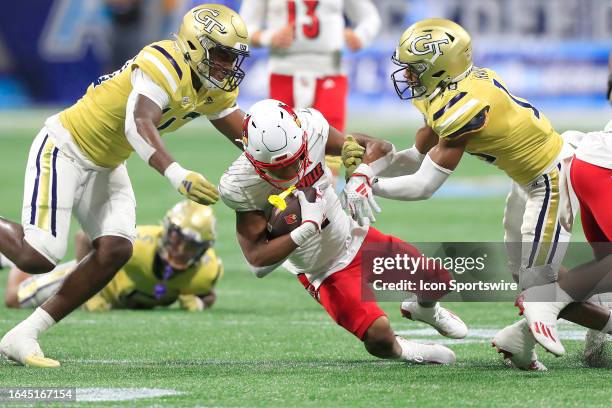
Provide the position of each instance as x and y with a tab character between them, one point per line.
552	52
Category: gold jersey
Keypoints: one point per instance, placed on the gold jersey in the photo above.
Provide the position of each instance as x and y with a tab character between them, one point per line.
135	284
503	129
97	121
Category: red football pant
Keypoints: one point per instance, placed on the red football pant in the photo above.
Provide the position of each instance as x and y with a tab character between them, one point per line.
341	293
330	96
593	187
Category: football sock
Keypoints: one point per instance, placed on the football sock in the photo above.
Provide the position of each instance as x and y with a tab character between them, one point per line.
38	322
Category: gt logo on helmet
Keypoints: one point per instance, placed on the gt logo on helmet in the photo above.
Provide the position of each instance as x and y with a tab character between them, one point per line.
208	21
428	47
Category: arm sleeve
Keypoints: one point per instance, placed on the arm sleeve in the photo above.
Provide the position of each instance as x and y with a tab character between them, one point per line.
364	15
253	12
418	186
143	84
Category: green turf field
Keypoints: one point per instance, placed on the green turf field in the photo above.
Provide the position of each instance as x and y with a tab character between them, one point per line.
266	342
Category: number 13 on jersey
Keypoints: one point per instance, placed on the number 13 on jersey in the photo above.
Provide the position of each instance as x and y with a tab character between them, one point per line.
310	28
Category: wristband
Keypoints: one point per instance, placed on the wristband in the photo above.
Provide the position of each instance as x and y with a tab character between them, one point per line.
176	174
304	233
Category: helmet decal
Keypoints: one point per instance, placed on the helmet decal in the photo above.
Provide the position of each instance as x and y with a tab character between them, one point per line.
209	22
428	47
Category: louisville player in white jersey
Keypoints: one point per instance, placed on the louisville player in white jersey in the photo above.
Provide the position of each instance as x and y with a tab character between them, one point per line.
306	38
76	163
283	148
469	109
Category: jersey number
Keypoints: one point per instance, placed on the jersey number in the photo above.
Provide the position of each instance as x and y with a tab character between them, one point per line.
523	104
310	30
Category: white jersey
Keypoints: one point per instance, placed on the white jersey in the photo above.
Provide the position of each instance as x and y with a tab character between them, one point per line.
319	31
592	147
334	248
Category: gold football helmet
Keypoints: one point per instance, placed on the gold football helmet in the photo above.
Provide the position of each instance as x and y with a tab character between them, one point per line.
431	54
214	40
189	231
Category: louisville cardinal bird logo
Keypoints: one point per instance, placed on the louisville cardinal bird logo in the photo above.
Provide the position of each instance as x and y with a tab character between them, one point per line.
290	219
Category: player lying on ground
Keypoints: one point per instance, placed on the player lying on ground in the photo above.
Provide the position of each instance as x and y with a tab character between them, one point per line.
469	109
586	181
284	148
76	163
170	262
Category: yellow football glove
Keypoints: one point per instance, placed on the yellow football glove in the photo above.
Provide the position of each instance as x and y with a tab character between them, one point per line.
191	184
191	303
352	153
196	188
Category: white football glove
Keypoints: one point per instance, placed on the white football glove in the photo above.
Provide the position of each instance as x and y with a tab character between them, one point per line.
357	196
312	212
313	215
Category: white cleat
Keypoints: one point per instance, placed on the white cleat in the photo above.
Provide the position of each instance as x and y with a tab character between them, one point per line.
443	320
21	347
542	319
517	345
421	353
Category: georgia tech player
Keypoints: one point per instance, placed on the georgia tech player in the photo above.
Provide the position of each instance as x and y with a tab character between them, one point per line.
170	262
76	162
470	109
282	148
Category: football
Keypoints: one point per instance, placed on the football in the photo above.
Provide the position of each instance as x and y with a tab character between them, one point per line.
285	221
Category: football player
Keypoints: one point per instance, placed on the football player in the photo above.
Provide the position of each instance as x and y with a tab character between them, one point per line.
470	109
587	171
170	262
305	39
76	163
282	148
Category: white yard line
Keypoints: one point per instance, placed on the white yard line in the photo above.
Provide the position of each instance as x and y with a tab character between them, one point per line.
121	394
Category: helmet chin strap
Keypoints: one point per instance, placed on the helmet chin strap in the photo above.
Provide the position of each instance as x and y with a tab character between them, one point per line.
458	78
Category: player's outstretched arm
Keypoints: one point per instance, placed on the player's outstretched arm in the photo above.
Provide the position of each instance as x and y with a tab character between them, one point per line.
395	163
370	147
435	169
142	118
357	195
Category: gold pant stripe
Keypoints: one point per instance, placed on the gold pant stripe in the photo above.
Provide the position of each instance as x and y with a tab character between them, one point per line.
43	203
551	219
